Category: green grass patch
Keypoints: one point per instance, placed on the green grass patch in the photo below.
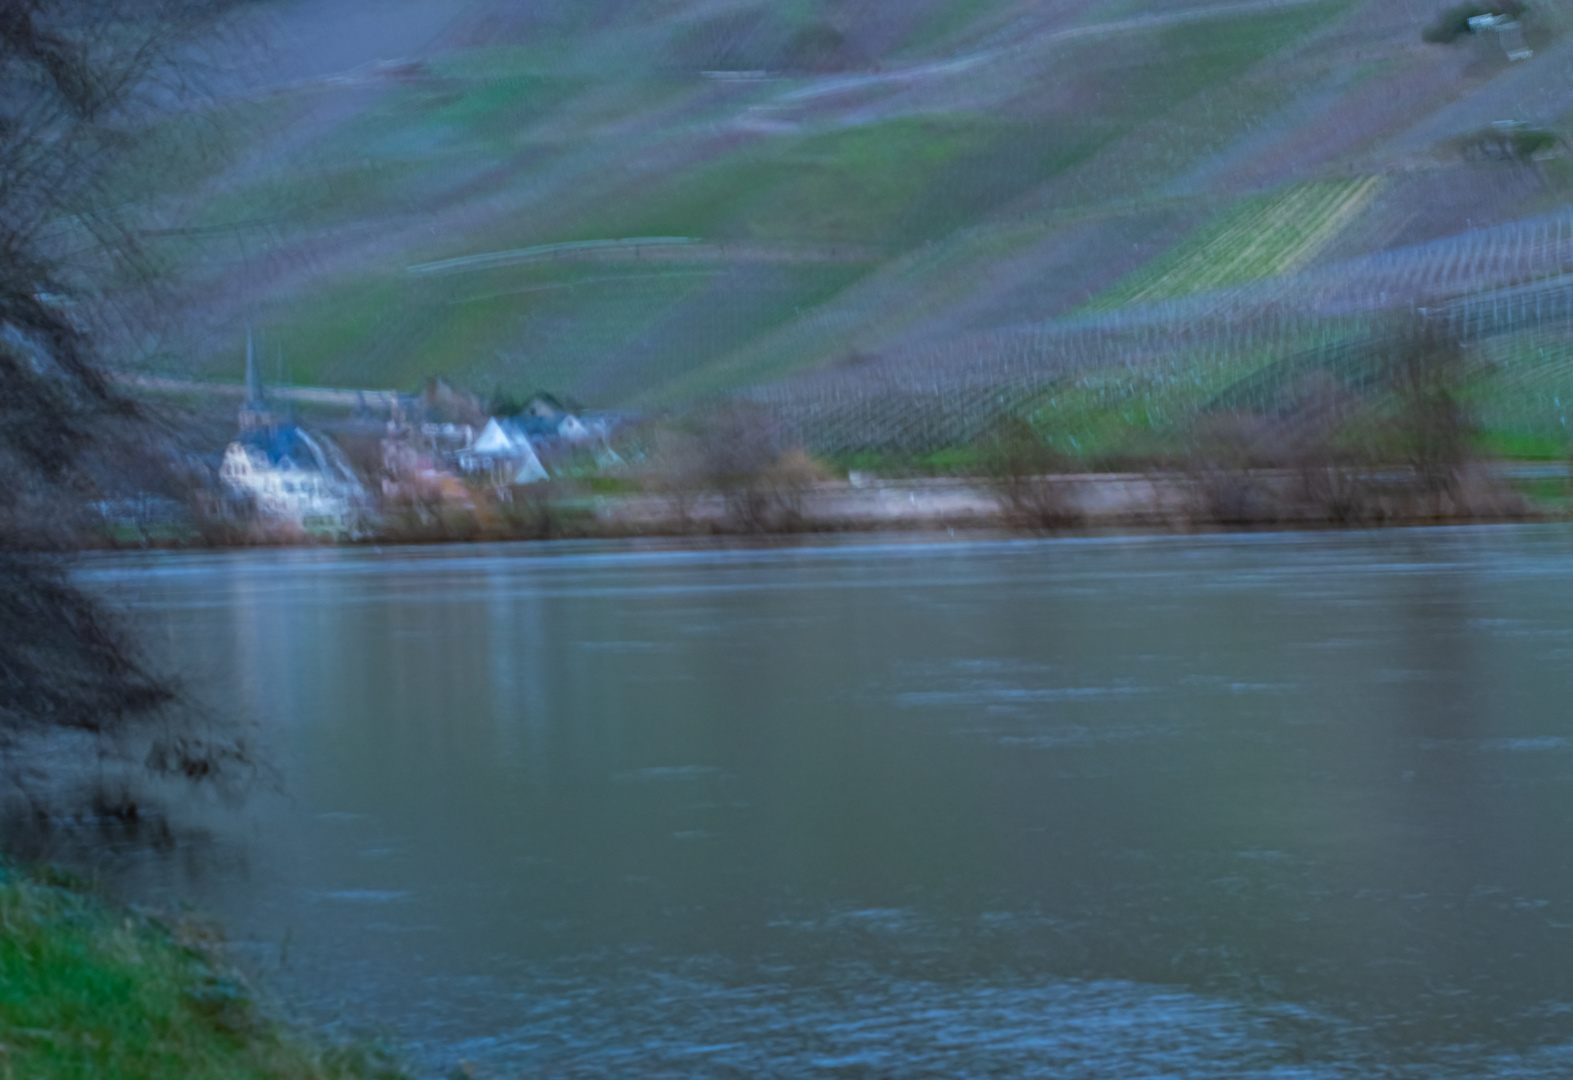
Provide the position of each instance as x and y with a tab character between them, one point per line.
414	144
499	128
1526	386
321	195
946	461
695	340
1553	496
608	330
1502	445
999	163
553	337
1255	237
1143	75
491	110
854	185
1168	129
705	200
610	485
872	309
334	338
92	992
889	185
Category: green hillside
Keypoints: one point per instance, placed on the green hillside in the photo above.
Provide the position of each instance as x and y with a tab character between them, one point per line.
824	185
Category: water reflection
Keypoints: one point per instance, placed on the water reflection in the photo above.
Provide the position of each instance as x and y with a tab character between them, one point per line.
1262	806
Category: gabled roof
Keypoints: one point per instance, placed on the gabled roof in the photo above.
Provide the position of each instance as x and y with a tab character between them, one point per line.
284	442
539	425
500	438
290	447
506	439
531	471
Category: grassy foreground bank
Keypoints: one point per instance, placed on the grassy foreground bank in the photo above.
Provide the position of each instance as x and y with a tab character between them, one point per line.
90	990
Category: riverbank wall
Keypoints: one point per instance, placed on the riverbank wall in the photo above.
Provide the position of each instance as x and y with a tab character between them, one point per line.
1083	501
1196	499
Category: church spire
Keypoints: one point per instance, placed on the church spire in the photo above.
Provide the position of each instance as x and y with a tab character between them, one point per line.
254	399
254	409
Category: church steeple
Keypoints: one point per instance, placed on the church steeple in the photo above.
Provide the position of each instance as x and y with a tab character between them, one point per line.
254	411
253	376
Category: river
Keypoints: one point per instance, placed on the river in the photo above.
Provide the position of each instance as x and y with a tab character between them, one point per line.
1288	805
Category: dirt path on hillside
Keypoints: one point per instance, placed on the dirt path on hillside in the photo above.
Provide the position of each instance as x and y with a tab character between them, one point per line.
757	117
317	395
642	249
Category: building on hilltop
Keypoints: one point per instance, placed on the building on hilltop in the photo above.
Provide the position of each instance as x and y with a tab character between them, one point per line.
1509	34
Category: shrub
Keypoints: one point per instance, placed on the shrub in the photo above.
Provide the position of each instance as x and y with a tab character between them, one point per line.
1506	142
1426	369
817	47
1527	142
504	403
1023	469
740	454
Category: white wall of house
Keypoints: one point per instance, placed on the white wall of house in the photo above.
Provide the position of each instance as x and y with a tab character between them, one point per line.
509	457
286	492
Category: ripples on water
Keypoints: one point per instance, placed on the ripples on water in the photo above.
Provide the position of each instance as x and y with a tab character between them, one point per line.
858	1023
1285	806
855	1020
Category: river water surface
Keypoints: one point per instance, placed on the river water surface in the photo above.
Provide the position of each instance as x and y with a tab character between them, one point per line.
1290	806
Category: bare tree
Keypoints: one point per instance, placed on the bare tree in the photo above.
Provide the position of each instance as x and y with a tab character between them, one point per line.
756	469
1427	368
1027	475
736	446
79	81
676	468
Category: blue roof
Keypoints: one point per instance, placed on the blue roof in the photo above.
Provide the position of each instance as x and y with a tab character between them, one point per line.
540	425
282	441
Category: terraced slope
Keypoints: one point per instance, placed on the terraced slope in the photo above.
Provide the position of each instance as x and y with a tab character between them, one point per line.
822	188
1255	238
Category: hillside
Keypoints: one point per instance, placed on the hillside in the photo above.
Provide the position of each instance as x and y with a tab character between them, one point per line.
861	212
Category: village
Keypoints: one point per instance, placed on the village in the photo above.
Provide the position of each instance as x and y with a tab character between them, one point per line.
428	454
443	464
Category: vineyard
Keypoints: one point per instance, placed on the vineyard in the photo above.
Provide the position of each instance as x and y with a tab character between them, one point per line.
1106	218
1148	366
1262	238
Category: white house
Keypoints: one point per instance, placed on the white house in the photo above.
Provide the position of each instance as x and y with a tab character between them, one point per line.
503	450
572	430
288	475
310	493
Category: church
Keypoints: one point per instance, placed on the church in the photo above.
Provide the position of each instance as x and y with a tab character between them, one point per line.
288	475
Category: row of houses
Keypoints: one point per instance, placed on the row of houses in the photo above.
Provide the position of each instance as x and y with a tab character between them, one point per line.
298	479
